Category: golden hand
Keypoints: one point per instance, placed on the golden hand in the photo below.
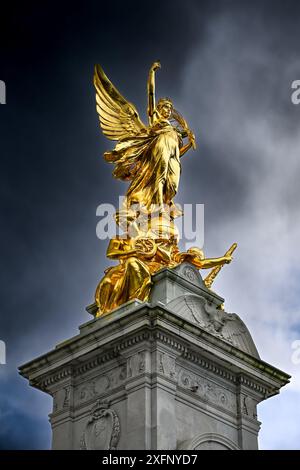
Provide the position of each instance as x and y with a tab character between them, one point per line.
192	139
227	259
155	66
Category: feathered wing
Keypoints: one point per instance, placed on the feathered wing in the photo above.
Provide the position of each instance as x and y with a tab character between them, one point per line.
119	119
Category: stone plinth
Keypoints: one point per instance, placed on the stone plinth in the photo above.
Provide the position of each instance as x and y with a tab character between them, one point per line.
175	373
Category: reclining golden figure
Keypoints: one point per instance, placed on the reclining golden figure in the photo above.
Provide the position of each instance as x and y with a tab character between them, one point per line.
139	259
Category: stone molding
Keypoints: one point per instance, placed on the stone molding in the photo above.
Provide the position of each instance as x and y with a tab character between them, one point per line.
206	390
202	439
180	346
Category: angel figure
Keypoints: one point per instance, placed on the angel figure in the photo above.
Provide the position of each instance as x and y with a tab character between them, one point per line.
147	156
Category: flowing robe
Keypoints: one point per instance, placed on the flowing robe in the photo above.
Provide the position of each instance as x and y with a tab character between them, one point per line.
149	161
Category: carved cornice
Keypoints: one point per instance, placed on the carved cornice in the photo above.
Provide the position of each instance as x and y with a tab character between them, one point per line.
178	345
45	383
209	365
254	385
151	334
95	362
226	374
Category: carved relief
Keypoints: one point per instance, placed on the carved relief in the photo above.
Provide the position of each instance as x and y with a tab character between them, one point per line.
66	403
194	306
190	274
166	365
86	391
136	364
207	390
249	407
210	392
223	399
102	431
55	404
93	388
206	314
117	376
101	384
61	399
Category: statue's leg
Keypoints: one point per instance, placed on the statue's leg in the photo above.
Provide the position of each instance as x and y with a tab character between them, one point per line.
172	183
160	192
102	295
160	158
105	292
136	282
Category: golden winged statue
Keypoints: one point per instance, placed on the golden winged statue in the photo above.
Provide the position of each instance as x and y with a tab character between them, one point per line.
148	156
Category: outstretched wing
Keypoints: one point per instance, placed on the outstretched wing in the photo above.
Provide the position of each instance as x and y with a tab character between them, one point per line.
118	118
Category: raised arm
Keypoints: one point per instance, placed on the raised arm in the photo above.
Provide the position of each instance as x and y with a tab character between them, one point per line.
151	91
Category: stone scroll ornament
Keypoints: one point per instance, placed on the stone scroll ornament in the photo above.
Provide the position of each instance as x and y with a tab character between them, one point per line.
102	431
148	156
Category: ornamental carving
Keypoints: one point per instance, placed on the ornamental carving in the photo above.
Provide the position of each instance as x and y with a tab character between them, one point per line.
166	365
136	364
190	274
206	390
249	407
100	385
66	403
102	431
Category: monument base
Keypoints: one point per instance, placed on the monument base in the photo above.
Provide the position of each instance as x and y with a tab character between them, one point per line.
175	373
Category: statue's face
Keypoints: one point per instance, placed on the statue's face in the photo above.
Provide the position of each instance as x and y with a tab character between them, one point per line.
166	110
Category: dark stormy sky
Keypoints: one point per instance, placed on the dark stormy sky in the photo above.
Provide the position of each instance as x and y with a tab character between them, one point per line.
228	65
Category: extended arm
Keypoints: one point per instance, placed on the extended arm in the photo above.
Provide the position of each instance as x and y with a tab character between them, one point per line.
213	262
203	263
151	91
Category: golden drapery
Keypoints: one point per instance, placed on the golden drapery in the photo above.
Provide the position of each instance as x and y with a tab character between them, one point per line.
131	278
152	163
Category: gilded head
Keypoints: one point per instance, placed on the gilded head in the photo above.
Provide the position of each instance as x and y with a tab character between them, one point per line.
165	107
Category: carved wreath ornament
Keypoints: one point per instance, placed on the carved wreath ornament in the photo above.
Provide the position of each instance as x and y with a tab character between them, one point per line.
102	431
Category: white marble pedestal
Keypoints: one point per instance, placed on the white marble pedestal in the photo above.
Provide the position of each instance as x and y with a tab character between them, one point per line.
175	373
